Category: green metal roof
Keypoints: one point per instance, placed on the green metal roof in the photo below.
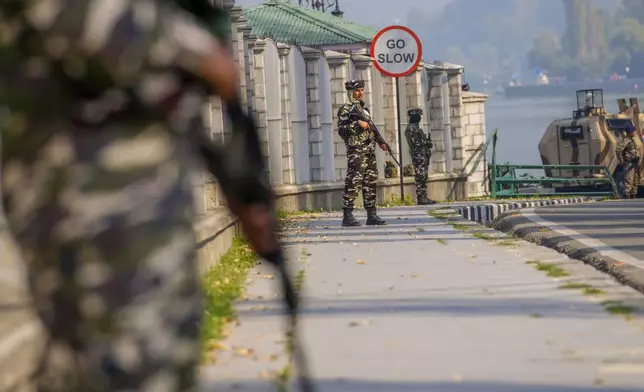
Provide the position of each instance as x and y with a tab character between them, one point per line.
289	23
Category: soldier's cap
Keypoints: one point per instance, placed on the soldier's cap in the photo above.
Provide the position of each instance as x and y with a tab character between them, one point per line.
354	84
630	128
415	112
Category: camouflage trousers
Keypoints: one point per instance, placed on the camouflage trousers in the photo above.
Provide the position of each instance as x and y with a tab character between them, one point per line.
627	181
103	221
420	160
362	174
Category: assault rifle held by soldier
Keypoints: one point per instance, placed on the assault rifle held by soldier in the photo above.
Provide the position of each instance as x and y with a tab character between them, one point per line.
357	114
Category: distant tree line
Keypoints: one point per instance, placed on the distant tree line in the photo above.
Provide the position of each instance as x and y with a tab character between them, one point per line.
595	43
495	39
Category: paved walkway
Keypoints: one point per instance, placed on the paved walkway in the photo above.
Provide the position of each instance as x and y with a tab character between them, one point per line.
423	306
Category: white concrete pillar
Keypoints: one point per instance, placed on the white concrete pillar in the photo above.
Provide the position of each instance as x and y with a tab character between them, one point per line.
326	120
455	83
299	116
249	42
316	156
437	121
339	71
378	114
288	169
259	97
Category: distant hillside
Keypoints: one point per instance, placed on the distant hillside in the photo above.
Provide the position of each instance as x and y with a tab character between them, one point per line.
491	37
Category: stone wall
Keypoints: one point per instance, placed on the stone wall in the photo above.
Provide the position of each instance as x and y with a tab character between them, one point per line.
455	120
473	139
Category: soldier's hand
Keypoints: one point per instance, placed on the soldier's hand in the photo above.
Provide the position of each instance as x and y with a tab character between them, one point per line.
363	124
430	144
221	72
383	147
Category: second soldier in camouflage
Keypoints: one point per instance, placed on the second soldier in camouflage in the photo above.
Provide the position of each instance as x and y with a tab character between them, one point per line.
362	169
420	147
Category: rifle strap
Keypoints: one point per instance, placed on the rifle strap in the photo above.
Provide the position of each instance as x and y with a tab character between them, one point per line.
291	300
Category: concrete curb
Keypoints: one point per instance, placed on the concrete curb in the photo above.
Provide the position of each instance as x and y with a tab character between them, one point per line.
519	226
487	213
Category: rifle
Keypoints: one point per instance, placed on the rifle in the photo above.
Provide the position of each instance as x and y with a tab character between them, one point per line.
357	114
240	169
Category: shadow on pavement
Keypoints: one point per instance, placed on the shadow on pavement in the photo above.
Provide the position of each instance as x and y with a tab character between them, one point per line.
455	307
414	228
355	385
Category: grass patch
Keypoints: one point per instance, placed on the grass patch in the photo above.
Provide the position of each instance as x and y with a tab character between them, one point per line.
459	226
585	288
281	214
550	270
441	241
282	378
483	236
298	281
619	309
441	213
506	243
396	201
222	285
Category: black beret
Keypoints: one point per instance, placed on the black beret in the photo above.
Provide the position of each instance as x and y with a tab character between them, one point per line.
354	84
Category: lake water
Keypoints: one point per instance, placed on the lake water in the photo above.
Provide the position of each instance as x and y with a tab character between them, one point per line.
521	122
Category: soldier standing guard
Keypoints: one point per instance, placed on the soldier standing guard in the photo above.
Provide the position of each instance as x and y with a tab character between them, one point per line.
420	147
628	157
362	169
96	165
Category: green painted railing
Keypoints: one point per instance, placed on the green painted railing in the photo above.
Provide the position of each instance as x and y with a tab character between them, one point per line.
504	181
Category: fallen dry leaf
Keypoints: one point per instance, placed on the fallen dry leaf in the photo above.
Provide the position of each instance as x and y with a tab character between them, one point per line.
360	323
359	261
269	277
244	352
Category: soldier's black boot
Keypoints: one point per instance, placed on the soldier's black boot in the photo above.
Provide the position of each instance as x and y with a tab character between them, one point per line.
424	201
373	219
348	220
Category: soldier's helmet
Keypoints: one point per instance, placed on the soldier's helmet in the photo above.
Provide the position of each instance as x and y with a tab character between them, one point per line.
354	84
415	114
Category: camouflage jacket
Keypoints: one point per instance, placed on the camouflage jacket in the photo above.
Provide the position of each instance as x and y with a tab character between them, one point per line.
416	138
350	130
92	47
627	151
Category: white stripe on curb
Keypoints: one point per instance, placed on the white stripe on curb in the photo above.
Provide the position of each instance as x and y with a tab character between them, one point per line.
596	245
485	213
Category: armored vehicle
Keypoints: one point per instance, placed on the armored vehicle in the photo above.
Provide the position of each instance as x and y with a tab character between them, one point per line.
589	137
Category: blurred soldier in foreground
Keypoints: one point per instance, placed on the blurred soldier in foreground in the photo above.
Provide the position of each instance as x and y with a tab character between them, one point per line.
96	157
628	157
420	147
362	169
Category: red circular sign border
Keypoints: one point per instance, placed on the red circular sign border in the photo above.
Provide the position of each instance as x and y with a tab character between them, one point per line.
408	31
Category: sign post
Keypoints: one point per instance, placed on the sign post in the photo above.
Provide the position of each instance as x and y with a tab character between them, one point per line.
396	52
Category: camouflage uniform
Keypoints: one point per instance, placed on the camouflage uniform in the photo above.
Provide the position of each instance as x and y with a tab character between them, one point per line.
628	156
420	148
95	186
362	169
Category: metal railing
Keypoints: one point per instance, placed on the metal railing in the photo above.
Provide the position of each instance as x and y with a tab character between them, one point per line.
504	181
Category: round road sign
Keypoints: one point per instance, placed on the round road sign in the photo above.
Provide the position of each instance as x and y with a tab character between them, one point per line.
396	51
